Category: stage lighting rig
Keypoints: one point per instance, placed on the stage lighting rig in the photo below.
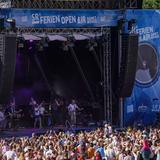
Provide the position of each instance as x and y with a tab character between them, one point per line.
45	42
12	23
4	23
20	42
65	46
92	44
40	46
71	41
68	44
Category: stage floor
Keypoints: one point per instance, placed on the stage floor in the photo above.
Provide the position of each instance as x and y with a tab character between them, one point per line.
22	132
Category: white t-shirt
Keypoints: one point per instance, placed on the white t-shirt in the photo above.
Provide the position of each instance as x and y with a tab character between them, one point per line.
10	155
42	110
109	129
36	111
2	117
72	107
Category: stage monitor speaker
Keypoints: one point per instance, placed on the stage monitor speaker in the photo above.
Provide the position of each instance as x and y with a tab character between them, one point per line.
129	54
8	49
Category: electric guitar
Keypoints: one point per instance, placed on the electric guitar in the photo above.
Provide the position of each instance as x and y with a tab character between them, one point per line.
15	114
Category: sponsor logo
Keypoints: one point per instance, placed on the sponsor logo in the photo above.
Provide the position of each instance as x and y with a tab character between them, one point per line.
130	108
142	108
156	108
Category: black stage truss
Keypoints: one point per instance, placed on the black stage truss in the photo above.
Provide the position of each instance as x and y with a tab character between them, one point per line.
61	30
105	35
71	4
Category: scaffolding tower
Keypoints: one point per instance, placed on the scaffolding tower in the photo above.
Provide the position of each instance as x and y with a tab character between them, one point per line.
107	82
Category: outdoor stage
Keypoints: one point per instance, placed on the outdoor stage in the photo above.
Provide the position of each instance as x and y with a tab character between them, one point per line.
22	132
37	28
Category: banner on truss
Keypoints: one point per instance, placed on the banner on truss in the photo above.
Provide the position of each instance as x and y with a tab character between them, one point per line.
39	18
144	103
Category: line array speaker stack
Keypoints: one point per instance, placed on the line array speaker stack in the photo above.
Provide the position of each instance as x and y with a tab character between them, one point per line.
129	54
8	49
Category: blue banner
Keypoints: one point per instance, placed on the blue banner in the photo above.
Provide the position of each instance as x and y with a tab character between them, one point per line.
144	103
37	18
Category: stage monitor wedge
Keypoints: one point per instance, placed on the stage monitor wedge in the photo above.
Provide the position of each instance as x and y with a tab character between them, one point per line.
8	49
129	54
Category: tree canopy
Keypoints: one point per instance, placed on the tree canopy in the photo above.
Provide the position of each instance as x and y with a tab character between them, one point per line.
155	4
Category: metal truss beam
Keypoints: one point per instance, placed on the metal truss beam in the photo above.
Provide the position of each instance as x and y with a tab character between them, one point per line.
66	4
132	3
5	3
107	82
61	30
74	4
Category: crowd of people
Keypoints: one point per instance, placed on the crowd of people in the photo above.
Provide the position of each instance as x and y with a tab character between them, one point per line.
101	144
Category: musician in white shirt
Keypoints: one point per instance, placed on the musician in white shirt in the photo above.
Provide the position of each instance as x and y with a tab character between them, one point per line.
37	116
36	112
72	111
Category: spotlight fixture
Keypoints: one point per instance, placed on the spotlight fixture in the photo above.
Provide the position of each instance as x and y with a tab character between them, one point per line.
10	20
40	47
21	42
12	23
65	46
92	44
45	42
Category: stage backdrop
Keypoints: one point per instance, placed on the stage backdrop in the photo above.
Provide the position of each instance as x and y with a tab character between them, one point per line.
144	103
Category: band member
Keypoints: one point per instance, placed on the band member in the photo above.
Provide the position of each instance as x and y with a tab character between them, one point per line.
72	111
42	112
12	114
35	112
56	111
2	119
37	116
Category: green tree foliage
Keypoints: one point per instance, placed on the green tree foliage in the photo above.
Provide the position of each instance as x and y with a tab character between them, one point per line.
154	4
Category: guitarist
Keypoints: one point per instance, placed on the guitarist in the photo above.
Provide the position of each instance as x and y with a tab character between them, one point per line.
12	113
